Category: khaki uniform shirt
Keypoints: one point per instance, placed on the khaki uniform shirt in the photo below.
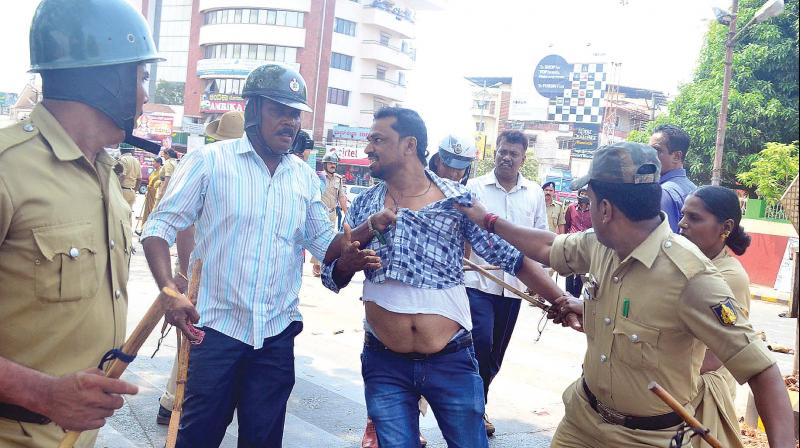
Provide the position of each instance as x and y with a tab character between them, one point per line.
739	282
678	305
334	191
65	240
555	216
169	168
131	170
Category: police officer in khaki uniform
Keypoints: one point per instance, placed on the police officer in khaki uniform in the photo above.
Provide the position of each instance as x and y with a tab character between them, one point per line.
652	303
65	236
131	173
170	163
556	221
333	196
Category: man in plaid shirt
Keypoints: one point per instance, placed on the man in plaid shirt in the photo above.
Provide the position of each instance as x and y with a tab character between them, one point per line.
418	340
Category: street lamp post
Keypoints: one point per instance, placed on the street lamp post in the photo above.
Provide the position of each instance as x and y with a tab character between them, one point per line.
768	10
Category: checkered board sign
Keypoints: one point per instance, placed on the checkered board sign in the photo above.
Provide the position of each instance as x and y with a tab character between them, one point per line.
583	98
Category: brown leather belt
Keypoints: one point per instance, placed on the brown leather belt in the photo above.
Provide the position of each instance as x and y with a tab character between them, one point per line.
20	414
613	417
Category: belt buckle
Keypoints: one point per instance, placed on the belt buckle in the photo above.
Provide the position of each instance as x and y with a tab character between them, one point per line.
609	415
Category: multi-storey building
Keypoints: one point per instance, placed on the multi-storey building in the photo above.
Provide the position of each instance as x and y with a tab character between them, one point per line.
352	54
557	145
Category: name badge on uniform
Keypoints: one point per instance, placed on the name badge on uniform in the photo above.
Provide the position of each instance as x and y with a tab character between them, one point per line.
590	287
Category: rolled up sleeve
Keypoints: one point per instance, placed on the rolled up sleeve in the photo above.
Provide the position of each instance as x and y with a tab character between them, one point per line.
571	253
318	232
735	343
182	202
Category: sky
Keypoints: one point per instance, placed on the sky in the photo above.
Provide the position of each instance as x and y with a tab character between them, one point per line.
657	42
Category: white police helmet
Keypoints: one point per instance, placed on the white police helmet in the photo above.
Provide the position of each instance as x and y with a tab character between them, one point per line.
456	152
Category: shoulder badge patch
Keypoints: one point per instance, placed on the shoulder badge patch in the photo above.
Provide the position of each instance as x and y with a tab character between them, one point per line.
725	312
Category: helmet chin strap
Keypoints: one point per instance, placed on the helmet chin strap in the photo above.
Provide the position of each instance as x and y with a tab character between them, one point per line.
252	127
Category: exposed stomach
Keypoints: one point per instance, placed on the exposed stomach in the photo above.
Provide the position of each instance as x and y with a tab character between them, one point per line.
406	333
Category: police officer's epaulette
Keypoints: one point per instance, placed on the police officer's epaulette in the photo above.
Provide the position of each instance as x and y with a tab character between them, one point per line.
685	255
17	134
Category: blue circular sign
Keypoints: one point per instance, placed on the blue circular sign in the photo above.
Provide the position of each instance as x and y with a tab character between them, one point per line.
551	76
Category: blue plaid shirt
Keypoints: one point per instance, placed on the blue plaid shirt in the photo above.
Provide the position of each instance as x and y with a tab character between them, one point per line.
425	247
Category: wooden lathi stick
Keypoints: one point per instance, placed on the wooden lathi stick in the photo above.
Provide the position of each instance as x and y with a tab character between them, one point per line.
505	285
183	362
680	410
131	347
487	267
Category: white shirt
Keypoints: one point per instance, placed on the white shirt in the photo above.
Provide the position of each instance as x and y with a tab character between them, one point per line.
523	205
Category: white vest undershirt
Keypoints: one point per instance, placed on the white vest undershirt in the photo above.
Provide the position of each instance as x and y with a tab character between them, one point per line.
398	297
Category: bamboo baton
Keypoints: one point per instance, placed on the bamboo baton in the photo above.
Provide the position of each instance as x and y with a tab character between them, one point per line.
487	267
183	362
500	282
680	410
132	346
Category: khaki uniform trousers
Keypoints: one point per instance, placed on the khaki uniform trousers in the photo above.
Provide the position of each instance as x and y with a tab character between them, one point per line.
14	434
582	427
129	196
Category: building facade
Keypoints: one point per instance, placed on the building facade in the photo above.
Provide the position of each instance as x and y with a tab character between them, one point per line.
352	54
562	149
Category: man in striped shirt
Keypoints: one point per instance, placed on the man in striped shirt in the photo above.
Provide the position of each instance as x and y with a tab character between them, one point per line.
254	207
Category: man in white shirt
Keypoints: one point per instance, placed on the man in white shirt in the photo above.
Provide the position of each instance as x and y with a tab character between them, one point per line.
504	192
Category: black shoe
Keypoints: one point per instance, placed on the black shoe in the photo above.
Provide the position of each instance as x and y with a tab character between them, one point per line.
163	416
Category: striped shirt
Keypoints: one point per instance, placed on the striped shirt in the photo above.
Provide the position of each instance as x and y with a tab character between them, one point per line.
250	231
425	247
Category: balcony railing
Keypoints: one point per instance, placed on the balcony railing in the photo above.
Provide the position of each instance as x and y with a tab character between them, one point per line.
411	53
388	81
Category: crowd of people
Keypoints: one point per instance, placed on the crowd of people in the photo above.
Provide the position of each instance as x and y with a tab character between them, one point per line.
653	285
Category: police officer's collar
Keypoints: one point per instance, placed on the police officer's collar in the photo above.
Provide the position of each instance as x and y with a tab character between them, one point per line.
648	250
64	148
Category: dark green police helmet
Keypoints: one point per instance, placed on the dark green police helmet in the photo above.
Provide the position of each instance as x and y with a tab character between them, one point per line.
278	83
89	33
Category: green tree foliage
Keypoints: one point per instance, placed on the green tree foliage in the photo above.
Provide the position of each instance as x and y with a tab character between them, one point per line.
168	92
772	170
763	97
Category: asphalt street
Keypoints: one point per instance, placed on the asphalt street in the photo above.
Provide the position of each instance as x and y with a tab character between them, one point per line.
327	409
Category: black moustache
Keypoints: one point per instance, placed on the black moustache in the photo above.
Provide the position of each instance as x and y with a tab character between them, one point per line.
287	132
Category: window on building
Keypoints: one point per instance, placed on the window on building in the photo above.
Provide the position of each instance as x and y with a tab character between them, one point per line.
343	26
480	126
385	38
256	16
378	105
566	143
401	78
226	86
380	72
341	61
338	96
251	51
532	141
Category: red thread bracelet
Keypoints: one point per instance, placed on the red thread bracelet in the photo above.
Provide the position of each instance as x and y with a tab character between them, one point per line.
489	220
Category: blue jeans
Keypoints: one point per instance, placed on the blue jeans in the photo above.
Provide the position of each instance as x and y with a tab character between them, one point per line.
227	374
493	321
449	380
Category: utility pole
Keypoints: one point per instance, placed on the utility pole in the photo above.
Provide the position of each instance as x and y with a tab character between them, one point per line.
722	122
